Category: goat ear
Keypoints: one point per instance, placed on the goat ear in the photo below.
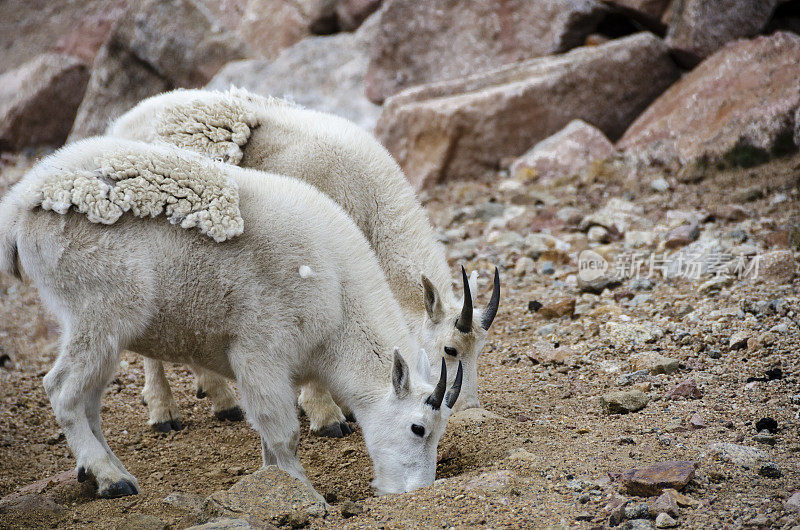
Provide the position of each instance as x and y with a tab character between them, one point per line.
433	302
423	366
473	285
400	375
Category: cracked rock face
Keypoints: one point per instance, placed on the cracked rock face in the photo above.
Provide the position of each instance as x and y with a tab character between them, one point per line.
737	108
424	42
464	127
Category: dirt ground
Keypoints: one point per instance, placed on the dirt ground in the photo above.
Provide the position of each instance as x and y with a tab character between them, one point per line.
551	411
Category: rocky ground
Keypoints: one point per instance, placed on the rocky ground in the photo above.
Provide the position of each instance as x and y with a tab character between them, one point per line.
692	363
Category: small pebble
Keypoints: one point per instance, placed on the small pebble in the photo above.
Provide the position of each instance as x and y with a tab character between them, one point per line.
770	470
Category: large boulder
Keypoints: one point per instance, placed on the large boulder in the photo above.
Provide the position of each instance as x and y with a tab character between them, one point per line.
30	28
351	13
38	100
462	128
565	153
698	28
157	46
738	107
423	42
321	73
270	26
86	38
652	9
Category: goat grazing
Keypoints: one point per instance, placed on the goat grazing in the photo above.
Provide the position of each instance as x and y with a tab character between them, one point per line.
288	292
351	167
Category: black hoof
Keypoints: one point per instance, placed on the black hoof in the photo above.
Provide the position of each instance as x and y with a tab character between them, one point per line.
144	402
168	425
121	488
350	417
231	414
200	393
82	476
335	430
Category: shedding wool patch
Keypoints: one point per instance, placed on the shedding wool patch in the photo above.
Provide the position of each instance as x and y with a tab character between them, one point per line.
191	193
218	127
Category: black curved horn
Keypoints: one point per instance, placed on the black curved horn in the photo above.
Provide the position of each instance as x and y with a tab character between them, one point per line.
494	303
464	322
435	399
455	390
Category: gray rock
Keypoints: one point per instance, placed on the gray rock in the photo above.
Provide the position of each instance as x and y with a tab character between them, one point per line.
638	510
547	267
228	523
565	153
715	285
735	109
738	340
660	184
185	501
664	503
269	495
156	46
39	100
639	376
629	333
464	127
654	362
698	28
765	438
472	417
792	504
425	42
491	481
623	402
323	73
29	502
770	470
350	509
637	524
743	456
664	520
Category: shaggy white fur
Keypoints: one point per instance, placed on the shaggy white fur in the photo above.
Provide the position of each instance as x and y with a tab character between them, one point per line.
191	194
352	168
241	309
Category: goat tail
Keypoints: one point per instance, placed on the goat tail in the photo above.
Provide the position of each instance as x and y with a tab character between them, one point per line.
9	254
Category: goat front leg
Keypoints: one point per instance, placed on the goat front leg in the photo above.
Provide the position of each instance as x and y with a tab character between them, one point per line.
156	394
324	415
269	401
223	398
75	386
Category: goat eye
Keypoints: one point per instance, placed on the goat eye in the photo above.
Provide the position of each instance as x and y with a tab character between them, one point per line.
450	351
419	430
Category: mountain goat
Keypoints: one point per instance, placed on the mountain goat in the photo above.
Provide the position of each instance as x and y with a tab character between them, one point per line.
351	167
298	297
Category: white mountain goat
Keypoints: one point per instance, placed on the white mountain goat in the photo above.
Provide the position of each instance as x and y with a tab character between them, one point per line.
298	297
350	166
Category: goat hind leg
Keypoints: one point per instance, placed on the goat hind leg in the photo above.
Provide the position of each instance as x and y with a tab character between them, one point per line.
324	415
75	386
222	396
156	394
